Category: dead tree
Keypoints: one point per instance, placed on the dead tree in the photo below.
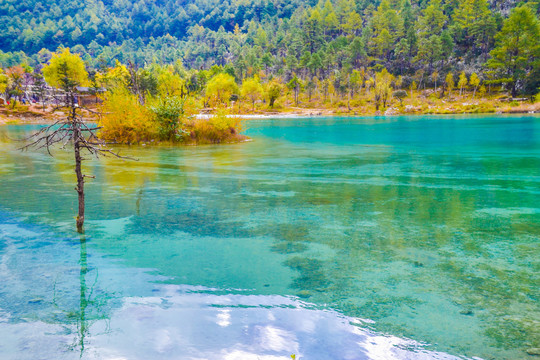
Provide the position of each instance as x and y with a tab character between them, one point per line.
72	130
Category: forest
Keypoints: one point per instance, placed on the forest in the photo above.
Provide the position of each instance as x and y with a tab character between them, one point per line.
417	40
302	235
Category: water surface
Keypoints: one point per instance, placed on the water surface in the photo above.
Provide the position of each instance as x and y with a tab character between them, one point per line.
342	238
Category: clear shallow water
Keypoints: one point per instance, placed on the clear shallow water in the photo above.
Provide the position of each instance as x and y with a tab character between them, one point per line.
329	238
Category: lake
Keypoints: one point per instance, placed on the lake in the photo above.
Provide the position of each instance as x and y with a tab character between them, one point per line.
328	238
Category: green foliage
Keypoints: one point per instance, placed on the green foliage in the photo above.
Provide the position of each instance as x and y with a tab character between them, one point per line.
400	95
353	24
3	82
429	50
273	39
295	84
169	116
432	20
40	87
15	78
170	119
517	52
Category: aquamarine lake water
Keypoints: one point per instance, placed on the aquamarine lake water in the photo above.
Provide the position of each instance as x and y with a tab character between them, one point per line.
328	238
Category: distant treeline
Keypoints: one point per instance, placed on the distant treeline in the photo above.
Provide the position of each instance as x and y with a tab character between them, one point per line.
498	40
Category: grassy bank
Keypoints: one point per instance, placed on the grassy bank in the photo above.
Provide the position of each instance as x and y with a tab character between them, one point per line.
213	128
415	103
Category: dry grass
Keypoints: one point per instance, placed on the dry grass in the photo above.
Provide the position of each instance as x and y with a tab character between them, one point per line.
125	121
218	129
522	108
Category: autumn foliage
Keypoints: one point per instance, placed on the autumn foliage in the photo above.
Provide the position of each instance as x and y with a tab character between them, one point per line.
125	120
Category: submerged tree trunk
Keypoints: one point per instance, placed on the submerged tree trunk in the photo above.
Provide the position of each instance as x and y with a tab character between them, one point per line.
71	130
80	182
77	138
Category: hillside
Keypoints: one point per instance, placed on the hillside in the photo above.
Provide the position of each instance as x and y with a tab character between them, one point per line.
33	25
280	37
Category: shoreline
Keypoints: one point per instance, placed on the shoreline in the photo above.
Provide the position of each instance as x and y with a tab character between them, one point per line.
296	115
37	119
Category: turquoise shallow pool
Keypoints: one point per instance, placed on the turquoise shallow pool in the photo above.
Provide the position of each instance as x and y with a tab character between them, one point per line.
329	238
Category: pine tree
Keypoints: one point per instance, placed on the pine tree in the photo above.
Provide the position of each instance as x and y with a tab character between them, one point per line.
432	20
517	50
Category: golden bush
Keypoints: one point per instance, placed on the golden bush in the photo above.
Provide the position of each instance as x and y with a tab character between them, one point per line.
125	120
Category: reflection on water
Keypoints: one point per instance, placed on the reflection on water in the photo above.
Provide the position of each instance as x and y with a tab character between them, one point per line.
82	323
429	228
159	321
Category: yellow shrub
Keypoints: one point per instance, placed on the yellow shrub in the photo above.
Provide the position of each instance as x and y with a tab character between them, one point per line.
125	120
220	128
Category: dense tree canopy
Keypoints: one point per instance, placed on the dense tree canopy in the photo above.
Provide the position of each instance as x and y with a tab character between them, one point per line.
517	51
323	40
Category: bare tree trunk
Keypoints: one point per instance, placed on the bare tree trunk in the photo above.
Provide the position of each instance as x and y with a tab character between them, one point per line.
71	130
80	181
77	136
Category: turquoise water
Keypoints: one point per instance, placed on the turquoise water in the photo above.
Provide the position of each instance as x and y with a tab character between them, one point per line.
330	238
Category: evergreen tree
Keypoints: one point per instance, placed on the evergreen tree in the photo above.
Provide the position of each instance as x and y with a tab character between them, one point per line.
517	51
432	20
